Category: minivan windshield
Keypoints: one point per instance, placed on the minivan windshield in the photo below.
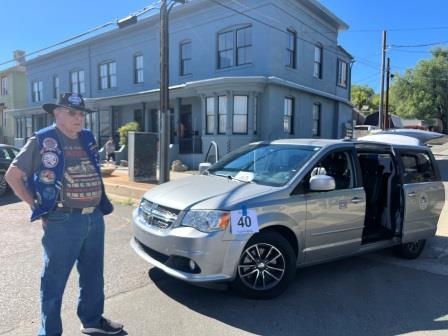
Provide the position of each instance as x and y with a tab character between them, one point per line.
267	164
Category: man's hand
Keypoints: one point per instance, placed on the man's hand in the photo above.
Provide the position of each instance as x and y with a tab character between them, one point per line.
15	178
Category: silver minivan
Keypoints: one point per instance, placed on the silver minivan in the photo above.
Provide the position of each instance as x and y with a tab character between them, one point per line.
269	207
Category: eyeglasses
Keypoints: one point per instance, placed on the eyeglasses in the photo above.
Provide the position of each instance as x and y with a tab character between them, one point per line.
74	113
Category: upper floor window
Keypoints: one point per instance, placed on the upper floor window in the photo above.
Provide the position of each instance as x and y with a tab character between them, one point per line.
234	47
316	119
4	86
342	73
210	115
240	107
288	115
291	49
107	75
138	69
37	91
318	51
185	58
55	87
222	114
77	82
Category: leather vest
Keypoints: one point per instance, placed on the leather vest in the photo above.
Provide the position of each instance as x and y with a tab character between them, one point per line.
46	183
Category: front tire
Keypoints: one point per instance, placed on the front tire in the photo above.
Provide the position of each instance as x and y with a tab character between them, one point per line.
266	266
411	250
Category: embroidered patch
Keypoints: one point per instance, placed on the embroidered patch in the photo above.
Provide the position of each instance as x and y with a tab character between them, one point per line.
49	193
47	176
74	99
50	160
50	144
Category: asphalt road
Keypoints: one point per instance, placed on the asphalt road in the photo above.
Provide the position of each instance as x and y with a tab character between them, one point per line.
374	294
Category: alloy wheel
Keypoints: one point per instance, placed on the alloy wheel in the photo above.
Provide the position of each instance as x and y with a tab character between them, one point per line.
261	266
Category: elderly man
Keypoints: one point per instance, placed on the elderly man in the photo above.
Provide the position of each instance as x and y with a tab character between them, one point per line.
58	174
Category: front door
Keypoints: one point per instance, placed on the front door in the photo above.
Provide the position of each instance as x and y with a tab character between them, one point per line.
185	128
335	219
424	196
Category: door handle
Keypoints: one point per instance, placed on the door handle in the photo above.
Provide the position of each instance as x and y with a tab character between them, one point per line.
412	194
356	200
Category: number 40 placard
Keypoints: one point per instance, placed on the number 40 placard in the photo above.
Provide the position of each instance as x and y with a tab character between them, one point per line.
243	221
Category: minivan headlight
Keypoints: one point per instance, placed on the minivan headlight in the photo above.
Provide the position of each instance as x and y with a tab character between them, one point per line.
206	220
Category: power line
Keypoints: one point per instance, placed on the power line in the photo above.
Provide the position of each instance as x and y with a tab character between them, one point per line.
418	45
110	23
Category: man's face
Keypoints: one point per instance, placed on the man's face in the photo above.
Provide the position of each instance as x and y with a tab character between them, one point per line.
69	120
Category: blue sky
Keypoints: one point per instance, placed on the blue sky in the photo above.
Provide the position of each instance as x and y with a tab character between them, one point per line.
31	25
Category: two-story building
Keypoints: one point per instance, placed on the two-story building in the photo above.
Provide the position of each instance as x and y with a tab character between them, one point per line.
12	96
240	71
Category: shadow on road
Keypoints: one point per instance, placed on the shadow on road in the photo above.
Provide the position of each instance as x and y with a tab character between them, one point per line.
9	198
355	296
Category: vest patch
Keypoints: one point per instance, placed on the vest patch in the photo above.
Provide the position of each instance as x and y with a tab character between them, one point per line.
50	160
49	144
47	177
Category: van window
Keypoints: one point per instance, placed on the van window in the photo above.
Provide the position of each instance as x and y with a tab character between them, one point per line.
417	167
271	164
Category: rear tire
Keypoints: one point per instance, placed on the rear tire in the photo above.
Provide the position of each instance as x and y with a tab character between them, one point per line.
411	250
266	266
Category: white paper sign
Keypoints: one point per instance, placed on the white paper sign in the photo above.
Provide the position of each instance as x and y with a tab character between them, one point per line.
241	224
244	176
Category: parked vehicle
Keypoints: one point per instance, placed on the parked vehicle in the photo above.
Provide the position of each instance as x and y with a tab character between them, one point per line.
270	207
7	154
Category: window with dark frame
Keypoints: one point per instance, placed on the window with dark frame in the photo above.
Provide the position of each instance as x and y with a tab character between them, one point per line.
342	73
222	114
288	115
36	91
317	107
138	69
55	86
4	86
107	75
210	115
185	58
240	109
291	49
77	82
243	46
318	52
234	47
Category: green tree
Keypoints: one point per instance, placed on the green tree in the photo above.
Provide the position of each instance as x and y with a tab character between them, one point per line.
125	129
422	92
363	95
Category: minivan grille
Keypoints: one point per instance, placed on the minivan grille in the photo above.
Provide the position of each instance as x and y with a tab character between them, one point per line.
155	215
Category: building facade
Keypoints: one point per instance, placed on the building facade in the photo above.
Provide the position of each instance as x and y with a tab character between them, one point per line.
240	71
12	96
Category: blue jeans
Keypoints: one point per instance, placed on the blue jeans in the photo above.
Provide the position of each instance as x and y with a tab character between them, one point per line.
70	238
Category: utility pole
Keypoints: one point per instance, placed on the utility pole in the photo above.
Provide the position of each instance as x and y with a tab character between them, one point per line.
386	117
383	66
164	140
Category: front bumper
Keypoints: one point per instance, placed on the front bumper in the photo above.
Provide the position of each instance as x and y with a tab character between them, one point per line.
216	258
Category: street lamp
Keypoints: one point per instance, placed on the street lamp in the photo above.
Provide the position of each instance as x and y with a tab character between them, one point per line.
164	91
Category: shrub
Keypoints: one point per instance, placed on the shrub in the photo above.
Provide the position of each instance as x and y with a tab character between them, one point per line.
125	129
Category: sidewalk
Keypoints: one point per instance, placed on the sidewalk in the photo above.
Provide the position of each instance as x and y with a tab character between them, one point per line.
119	186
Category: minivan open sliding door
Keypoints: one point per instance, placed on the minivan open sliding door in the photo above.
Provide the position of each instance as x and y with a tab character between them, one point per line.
424	194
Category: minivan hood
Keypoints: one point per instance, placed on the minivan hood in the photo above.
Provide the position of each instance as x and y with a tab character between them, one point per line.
204	192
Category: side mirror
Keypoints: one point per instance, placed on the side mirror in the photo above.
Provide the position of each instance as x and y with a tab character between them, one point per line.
322	183
203	166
